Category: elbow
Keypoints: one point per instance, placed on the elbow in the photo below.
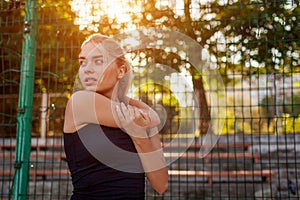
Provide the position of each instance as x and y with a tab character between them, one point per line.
155	120
163	188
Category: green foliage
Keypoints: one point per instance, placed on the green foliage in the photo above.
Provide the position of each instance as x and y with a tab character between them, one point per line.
11	20
265	32
229	123
164	103
290	124
57	51
259	122
243	37
289	106
292	105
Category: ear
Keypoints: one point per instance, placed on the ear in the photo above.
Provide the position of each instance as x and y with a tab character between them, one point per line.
121	71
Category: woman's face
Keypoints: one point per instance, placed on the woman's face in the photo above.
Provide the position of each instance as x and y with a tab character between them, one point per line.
97	72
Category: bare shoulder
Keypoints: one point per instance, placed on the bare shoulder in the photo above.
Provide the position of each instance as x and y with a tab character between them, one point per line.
69	122
85	107
69	125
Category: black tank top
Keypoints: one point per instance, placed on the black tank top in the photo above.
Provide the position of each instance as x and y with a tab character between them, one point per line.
104	164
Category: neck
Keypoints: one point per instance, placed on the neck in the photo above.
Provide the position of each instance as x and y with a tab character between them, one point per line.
107	94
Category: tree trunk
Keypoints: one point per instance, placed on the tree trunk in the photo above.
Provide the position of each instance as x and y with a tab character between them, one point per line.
204	113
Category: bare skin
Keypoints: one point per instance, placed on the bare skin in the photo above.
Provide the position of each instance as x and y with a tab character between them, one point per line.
94	105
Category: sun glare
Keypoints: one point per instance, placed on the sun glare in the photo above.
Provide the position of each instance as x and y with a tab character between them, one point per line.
90	12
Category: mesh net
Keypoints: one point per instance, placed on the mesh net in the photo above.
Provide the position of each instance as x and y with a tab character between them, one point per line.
252	48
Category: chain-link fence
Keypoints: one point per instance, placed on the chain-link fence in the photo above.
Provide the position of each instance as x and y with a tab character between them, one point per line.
226	72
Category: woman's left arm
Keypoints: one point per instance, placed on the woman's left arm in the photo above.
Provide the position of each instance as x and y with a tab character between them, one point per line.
154	164
154	118
147	145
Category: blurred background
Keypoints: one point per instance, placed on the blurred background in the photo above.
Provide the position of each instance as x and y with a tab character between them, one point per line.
251	52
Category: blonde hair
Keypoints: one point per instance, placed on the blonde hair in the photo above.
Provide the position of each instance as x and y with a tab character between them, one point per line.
115	50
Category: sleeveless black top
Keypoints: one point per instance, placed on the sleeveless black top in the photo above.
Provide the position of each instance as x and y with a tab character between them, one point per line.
104	164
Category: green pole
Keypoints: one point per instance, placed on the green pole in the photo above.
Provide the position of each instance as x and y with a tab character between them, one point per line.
24	119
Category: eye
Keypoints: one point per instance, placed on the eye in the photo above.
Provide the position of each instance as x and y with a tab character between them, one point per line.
99	61
82	62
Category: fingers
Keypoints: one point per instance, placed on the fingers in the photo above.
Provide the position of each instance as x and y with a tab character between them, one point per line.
120	114
131	111
137	112
144	115
134	112
129	114
125	113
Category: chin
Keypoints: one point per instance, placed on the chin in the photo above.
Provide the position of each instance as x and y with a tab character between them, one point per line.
92	89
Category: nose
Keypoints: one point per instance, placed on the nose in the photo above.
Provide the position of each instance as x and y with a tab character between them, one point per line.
88	69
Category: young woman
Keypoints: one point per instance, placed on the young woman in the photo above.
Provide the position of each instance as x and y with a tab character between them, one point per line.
100	119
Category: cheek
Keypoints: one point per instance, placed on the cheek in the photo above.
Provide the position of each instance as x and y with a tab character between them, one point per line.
99	72
109	79
80	74
109	74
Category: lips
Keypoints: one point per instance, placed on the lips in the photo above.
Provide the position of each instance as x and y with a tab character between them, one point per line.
88	81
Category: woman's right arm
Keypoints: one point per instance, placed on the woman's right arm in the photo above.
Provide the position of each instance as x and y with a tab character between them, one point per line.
86	107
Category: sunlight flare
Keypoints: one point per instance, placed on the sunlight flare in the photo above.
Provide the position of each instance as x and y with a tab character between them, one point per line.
90	12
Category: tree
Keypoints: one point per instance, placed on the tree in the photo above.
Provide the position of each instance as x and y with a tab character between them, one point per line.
244	37
152	14
263	35
58	44
10	59
261	32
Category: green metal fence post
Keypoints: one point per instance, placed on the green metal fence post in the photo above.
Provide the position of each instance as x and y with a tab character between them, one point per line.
23	140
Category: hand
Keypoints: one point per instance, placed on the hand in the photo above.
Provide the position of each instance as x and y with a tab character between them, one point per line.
133	120
141	118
